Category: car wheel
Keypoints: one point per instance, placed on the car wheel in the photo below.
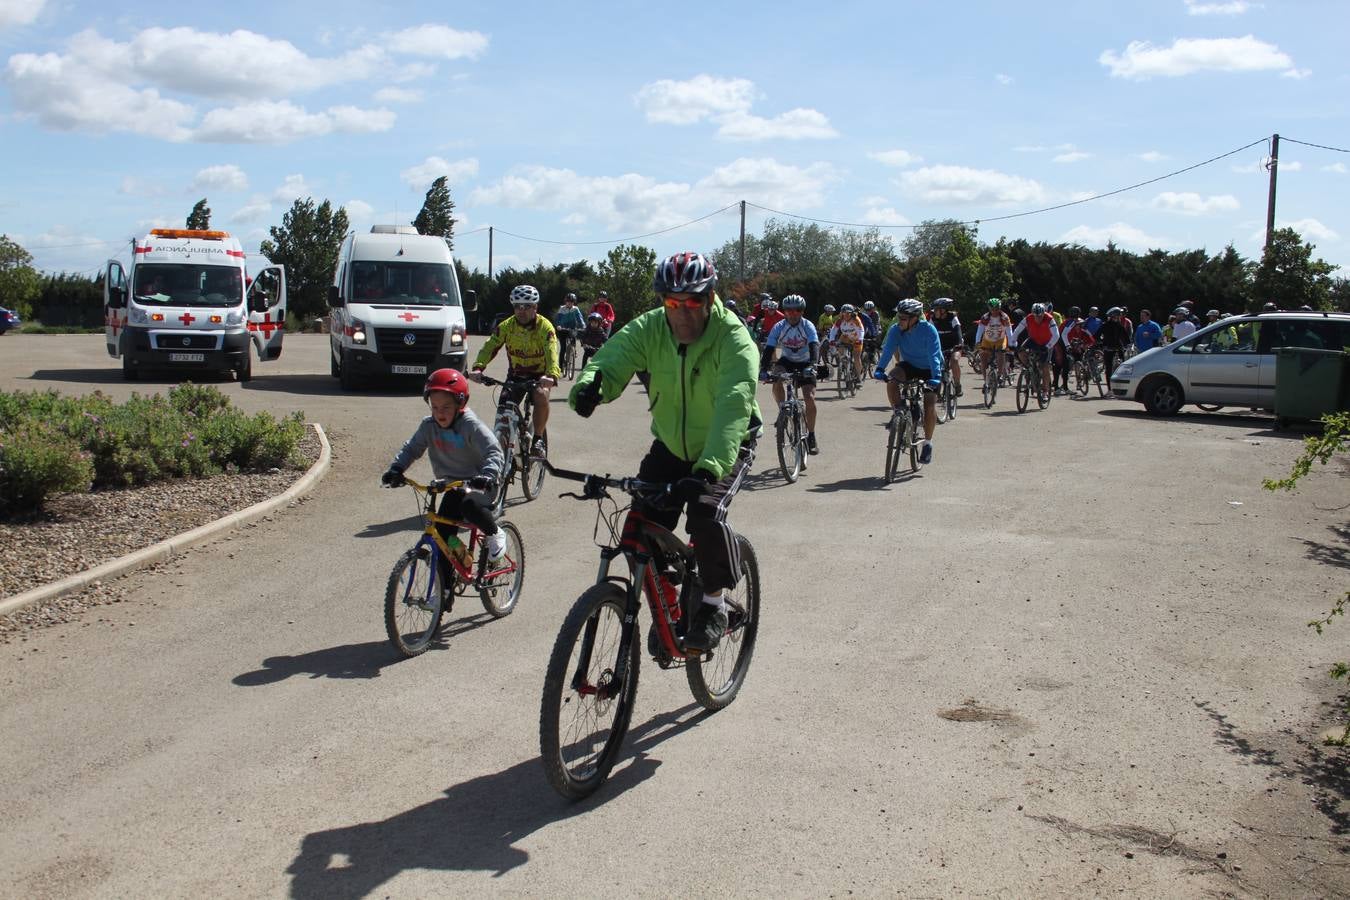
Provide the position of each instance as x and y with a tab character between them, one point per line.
1163	397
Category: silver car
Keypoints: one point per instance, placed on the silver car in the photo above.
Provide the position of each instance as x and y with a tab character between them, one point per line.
1228	363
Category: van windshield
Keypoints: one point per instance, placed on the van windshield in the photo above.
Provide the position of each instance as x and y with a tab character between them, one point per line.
420	284
188	284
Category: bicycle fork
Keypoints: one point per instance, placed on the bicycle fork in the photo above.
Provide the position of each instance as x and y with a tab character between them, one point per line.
610	688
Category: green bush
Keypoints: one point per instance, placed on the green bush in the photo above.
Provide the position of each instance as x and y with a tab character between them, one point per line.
193	432
37	461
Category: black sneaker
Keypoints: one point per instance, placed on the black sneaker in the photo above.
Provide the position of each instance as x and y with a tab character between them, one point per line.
811	446
959	392
706	628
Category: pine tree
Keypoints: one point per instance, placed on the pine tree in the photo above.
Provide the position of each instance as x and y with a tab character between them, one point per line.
435	216
200	217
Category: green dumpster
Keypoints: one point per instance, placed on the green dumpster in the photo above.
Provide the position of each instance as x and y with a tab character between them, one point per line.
1310	383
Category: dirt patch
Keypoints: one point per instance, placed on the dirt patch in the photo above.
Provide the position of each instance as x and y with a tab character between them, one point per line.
974	711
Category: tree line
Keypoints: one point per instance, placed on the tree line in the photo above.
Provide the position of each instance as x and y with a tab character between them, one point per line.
941	258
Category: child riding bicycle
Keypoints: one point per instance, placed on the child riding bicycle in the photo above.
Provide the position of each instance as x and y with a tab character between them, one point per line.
462	448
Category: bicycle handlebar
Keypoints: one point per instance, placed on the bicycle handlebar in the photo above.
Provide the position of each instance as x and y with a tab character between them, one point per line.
595	484
493	382
436	486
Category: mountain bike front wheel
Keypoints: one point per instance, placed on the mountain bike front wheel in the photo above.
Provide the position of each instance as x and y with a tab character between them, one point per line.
413	602
499	592
531	472
1023	390
788	434
716	677
895	444
587	705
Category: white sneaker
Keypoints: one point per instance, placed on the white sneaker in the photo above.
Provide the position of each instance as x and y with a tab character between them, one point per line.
496	544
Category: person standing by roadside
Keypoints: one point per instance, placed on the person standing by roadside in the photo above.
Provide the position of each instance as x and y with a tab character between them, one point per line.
1149	333
1093	322
1112	338
1183	327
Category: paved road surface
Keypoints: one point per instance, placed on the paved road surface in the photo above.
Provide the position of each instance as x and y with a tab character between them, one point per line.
1107	607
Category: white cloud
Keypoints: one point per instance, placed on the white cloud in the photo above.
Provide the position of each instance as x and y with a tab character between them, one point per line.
637	203
1003	79
1189	55
896	157
1310	229
795	124
960	185
136	186
255	209
281	122
1228	8
438	40
1152	156
19	12
150	83
1338	168
1263	166
228	177
1296	74
66	96
358	210
420	176
1071	157
1192	204
397	95
686	102
727	102
292	188
1120	233
769	183
884	215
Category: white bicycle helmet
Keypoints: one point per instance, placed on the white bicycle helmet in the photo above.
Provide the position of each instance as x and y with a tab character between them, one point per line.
523	294
685	273
909	307
794	301
829	308
869	306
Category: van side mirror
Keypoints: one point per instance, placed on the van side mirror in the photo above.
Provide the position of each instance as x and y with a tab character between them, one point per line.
333	298
117	297
257	302
470	301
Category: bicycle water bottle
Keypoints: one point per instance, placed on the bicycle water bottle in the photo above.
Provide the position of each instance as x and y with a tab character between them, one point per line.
670	598
458	550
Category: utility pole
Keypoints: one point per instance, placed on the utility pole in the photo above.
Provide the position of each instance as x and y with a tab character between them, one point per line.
1274	167
489	253
742	273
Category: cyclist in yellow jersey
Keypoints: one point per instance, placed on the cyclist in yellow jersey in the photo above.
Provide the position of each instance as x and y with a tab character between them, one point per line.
826	321
531	352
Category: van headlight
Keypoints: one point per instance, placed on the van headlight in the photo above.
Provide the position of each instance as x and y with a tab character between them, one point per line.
234	317
457	336
1123	371
358	331
137	316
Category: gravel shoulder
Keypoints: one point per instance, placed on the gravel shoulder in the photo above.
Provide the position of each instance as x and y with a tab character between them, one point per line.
76	532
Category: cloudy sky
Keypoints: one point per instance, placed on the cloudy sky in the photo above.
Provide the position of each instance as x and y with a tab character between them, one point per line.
571	128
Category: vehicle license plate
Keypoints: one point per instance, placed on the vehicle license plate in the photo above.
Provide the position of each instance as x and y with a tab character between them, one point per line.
410	370
187	357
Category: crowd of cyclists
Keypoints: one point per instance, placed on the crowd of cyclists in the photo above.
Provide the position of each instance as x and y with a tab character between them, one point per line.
701	359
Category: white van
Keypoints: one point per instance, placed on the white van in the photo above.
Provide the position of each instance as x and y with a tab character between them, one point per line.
396	306
187	303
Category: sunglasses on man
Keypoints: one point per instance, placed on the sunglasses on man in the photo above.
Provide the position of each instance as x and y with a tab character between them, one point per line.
690	303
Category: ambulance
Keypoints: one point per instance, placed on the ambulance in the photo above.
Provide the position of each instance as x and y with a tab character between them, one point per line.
188	304
395	307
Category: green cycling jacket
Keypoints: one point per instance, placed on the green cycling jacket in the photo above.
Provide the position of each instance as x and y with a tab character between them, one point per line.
701	395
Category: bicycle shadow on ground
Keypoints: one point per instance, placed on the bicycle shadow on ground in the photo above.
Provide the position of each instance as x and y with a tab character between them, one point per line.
865	483
350	660
384	529
472	828
765	481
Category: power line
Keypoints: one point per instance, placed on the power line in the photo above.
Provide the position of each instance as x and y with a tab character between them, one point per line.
1030	212
623	239
1318	146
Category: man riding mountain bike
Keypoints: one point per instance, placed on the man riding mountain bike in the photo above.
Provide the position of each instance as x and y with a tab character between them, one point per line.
531	352
705	418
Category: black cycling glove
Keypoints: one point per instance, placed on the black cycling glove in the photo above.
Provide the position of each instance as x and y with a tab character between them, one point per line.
393	478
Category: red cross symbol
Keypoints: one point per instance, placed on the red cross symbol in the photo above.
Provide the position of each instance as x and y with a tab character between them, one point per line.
407	316
186	318
112	322
266	326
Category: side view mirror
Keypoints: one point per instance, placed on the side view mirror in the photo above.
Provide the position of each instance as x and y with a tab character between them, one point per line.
470	301
333	298
257	302
117	297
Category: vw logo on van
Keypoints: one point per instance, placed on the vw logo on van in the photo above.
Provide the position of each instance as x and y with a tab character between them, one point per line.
187	341
409	338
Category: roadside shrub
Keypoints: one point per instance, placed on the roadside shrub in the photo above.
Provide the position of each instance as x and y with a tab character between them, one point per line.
193	432
37	461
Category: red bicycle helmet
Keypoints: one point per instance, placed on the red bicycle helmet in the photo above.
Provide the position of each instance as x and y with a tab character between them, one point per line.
452	381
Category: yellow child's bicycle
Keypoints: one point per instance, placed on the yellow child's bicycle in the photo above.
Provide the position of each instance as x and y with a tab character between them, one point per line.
417	598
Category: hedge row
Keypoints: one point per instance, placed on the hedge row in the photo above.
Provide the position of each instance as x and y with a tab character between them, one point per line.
53	444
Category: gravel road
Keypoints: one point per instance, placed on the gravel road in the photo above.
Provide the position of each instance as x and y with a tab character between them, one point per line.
1069	657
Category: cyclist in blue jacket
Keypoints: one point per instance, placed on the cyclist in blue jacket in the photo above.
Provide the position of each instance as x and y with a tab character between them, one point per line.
920	359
